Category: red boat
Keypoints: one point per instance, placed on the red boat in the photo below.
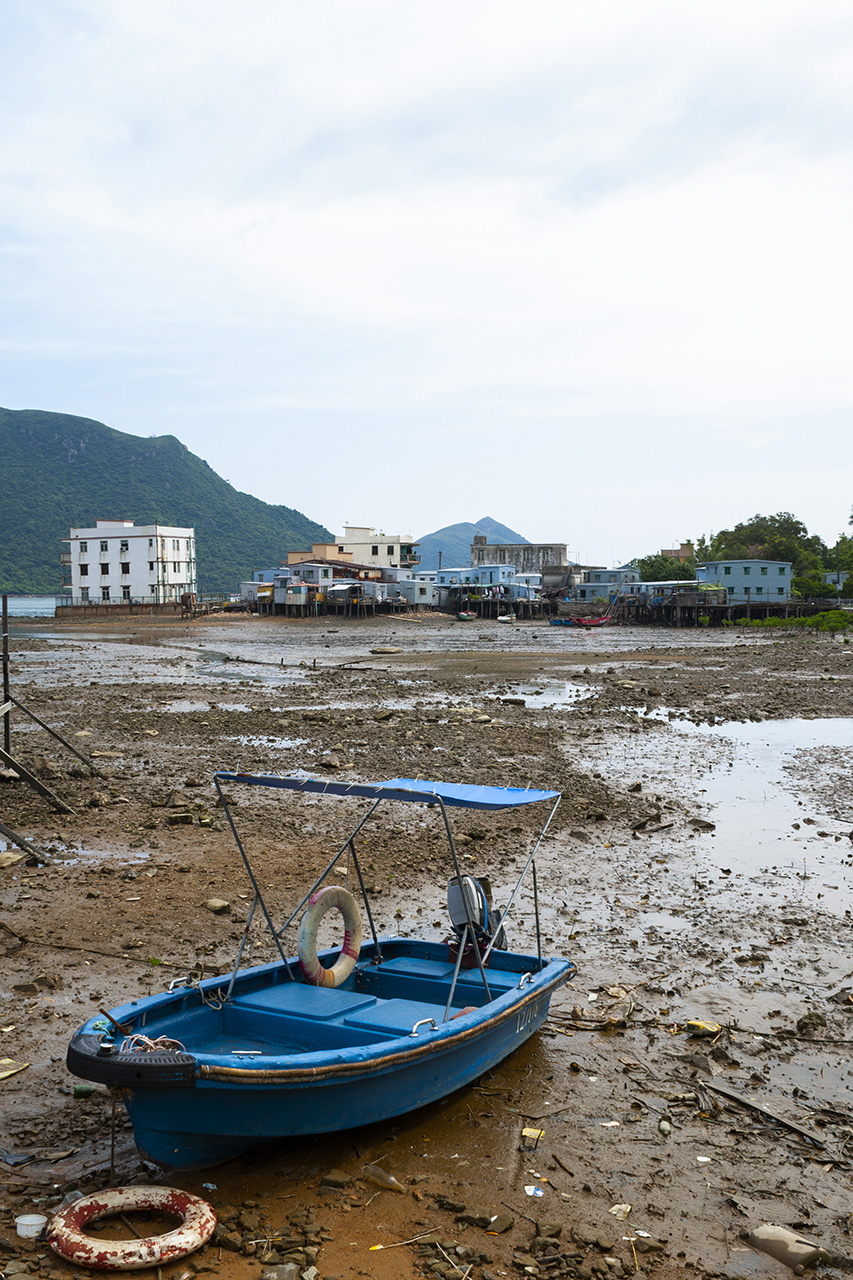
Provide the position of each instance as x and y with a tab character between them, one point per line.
591	622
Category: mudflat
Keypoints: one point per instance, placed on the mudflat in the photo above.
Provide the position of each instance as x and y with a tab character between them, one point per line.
698	871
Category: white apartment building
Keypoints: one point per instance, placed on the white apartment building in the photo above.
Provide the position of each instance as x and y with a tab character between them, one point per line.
378	550
118	560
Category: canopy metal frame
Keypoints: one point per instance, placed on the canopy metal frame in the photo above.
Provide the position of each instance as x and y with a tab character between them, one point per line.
406	790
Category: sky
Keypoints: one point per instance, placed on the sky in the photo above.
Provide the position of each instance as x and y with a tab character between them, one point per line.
582	267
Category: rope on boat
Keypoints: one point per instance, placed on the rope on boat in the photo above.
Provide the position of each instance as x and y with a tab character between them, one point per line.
143	1044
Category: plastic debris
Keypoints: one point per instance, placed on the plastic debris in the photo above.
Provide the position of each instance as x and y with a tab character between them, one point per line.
382	1179
531	1138
703	1159
609	1124
8	1067
533	1191
698	1028
665	1128
786	1246
620	1211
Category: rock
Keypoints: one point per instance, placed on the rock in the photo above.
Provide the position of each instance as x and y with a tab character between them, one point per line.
385	714
700	824
230	1240
475	1218
501	1223
286	1271
179	820
217	906
335	1178
98	800
549	1230
809	1023
329	761
450	1206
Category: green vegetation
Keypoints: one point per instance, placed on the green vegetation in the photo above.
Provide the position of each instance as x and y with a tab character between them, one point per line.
830	620
59	471
660	568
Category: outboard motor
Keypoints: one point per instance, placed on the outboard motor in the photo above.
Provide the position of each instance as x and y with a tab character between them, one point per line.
487	924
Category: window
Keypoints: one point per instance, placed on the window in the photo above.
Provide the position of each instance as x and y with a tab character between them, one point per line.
105	593
390	549
125	566
123	545
746	571
125	593
727	568
374	551
105	546
780	591
105	568
176	568
84	593
84	547
340	548
759	591
151	542
84	571
764	570
150	566
746	591
325	573
175	546
782	571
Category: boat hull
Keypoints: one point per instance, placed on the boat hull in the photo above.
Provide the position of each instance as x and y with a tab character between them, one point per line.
233	1103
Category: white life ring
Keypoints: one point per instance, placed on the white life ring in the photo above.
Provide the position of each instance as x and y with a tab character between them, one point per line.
66	1230
333	896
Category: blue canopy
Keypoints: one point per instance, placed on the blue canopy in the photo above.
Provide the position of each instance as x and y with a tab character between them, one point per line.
456	795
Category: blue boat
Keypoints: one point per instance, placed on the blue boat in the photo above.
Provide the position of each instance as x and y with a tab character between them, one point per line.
326	1041
561	622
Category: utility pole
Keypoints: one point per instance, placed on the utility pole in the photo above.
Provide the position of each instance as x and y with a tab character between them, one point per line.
7	711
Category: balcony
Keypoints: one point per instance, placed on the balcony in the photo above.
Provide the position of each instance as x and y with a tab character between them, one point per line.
65	557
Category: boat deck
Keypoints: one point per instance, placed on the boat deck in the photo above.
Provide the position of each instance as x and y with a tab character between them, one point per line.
378	1003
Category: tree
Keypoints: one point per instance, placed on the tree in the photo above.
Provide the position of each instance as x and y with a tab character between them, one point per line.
779	537
660	568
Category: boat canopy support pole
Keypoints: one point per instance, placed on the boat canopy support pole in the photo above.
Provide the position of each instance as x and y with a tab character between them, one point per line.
259	896
241	948
347	844
518	883
536	913
377	950
456	969
470	923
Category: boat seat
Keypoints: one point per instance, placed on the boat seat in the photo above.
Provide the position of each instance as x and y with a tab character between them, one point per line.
301	1000
394	1016
413	967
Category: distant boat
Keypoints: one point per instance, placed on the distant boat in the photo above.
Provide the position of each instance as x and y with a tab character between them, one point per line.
465	615
592	622
506	617
561	622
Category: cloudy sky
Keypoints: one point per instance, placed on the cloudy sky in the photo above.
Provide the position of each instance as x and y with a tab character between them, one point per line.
584	267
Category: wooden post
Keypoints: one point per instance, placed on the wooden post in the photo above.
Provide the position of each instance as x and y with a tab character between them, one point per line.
7	714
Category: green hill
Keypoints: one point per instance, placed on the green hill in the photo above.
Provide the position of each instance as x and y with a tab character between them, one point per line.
454	542
58	471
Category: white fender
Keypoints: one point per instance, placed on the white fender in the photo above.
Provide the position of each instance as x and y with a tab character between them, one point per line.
332	897
66	1230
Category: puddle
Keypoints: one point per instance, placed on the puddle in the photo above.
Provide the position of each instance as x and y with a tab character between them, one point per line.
181	706
270	744
563	694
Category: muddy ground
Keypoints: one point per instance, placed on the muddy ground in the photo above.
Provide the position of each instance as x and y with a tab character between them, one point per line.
658	880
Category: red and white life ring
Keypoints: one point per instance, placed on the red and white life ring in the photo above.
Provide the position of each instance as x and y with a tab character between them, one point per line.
66	1230
328	899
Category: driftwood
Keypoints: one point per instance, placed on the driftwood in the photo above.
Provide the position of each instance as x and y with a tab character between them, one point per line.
743	1101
